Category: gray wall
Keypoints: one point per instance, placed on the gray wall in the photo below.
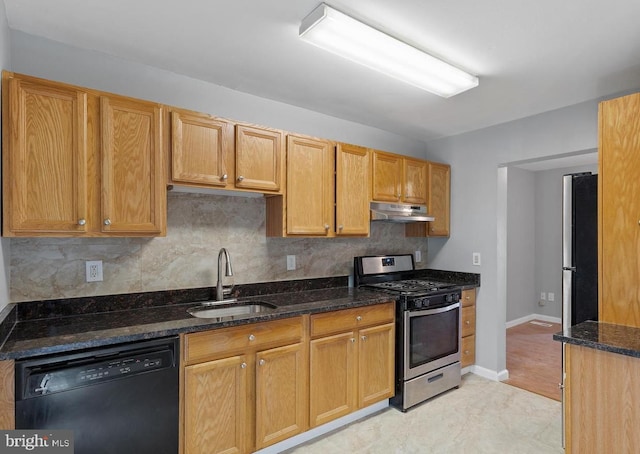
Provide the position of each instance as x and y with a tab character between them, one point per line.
198	225
521	244
548	238
5	244
475	158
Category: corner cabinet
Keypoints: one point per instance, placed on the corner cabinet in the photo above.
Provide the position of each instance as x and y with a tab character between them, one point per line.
245	387
351	360
77	162
438	204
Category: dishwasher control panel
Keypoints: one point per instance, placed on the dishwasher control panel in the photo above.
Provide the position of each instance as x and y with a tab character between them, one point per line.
64	376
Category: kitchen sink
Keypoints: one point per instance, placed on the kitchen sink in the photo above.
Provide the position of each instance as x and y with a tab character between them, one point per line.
229	309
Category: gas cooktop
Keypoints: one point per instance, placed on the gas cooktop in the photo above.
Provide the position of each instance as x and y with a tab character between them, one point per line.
411	285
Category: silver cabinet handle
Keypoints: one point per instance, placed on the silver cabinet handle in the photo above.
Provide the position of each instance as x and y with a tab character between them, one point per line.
225	176
364	338
466	352
358	318
468	322
240	178
243	365
353	339
326	226
252	337
82	221
262	362
107	221
340	227
467	297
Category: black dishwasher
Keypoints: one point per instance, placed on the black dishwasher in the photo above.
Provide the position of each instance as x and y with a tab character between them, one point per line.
120	399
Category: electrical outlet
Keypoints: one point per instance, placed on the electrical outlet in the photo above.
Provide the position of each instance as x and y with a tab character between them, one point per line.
476	259
94	270
551	296
418	256
543	296
291	262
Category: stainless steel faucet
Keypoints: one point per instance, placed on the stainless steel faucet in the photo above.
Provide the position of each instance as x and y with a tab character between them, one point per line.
220	290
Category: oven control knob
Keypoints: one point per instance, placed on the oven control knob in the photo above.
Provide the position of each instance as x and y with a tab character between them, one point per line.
449	298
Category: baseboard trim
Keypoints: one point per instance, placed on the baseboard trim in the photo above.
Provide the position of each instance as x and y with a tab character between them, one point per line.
488	373
528	318
324	429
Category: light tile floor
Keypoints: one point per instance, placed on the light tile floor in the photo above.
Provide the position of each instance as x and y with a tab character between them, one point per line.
482	416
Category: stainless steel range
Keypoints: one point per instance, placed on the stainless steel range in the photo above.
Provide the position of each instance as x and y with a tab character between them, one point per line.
427	326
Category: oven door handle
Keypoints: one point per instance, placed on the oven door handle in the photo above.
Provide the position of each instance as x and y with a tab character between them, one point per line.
438	310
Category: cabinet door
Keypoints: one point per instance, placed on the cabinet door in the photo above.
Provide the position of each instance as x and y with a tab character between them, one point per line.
414	181
387	176
44	164
133	187
259	158
376	364
201	149
468	320
332	378
353	189
281	394
439	198
309	186
215	403
619	211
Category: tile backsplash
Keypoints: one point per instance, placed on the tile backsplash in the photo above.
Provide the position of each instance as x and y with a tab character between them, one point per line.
198	225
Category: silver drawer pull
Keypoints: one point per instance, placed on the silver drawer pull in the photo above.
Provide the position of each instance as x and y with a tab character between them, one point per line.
364	338
107	221
252	337
359	318
243	365
262	362
82	221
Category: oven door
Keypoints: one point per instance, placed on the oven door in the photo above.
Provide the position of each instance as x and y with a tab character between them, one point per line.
431	339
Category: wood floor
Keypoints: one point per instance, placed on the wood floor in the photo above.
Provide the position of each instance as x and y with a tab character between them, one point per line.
534	359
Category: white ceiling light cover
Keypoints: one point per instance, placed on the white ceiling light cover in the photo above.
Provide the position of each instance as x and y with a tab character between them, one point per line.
340	34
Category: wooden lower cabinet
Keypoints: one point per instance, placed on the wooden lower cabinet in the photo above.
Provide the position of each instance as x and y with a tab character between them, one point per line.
280	394
602	392
216	406
251	397
354	368
468	328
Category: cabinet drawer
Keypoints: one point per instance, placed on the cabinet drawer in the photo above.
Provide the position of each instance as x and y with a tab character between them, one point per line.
468	297
468	351
468	320
227	341
349	319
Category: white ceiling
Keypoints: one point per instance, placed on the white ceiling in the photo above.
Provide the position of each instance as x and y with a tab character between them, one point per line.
530	56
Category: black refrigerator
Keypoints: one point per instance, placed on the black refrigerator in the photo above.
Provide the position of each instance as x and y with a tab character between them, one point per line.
579	249
579	256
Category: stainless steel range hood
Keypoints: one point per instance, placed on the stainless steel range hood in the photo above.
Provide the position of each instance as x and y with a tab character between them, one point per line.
399	212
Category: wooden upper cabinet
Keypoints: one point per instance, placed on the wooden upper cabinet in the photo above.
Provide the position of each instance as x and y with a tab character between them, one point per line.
387	177
414	181
259	158
439	201
202	149
353	189
77	162
133	192
309	199
619	211
44	158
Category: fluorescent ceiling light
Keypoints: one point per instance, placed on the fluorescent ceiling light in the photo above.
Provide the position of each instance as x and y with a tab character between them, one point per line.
336	32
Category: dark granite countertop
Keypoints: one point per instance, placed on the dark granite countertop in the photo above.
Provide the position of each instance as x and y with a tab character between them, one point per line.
624	340
55	326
